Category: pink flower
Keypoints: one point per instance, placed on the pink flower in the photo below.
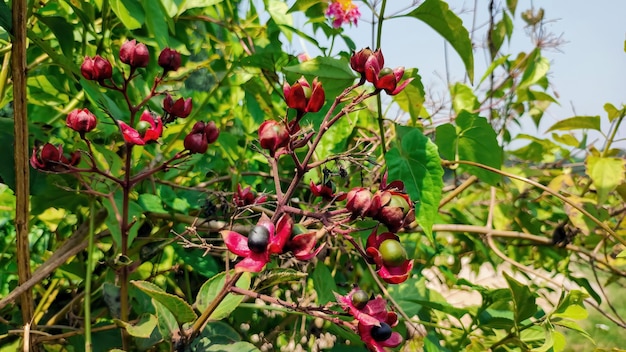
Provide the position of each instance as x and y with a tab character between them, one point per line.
96	68
343	11
81	121
245	196
302	246
273	135
134	54
264	240
393	268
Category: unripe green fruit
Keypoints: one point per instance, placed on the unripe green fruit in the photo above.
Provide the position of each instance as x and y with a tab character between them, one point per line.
382	332
393	252
143	126
360	299
258	239
385	71
400	202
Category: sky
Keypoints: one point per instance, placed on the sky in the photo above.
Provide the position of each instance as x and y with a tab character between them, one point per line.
586	71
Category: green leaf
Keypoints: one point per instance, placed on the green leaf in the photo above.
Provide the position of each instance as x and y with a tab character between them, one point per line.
151	203
303	5
439	17
278	276
511	5
470	140
143	328
5	17
166	319
411	98
577	123
612	111
278	10
192	4
179	308
606	174
212	287
571	306
463	98
335	74
324	284
622	254
536	71
523	300
129	12
414	159
63	31
156	21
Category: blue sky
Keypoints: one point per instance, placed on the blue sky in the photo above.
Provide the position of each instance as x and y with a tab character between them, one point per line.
587	70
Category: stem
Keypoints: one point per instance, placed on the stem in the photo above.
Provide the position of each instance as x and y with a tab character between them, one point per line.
90	269
604	226
22	191
379	103
123	274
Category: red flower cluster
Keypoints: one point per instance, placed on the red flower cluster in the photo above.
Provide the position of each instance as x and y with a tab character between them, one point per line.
389	256
374	322
371	65
343	11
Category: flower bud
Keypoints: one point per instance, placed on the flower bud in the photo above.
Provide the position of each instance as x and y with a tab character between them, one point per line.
179	108
359	58
272	135
211	132
196	141
51	158
81	120
134	54
169	59
96	68
304	97
358	201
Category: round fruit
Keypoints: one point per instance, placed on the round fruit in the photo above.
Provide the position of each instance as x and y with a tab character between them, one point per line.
258	239
400	202
143	127
360	299
382	332
392	252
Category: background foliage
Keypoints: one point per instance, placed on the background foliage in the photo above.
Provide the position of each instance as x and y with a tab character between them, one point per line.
544	222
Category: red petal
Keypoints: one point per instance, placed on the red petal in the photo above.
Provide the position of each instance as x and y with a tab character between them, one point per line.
281	235
130	134
254	263
236	243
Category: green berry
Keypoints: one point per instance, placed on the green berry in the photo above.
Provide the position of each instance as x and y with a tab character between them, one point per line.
393	252
360	299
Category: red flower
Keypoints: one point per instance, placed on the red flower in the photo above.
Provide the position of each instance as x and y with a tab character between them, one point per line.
304	97
359	58
394	268
81	120
148	129
257	249
359	201
384	78
51	158
374	321
169	59
201	135
134	54
273	136
246	196
179	108
326	191
302	246
96	68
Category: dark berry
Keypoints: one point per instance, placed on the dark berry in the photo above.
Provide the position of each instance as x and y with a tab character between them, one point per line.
360	299
258	239
381	333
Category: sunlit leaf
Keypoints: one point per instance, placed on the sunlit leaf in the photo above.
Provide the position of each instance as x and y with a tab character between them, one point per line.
129	12
571	306
577	123
414	159
179	308
439	17
606	174
213	286
143	328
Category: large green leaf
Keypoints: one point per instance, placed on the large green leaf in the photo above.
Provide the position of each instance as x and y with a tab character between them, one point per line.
473	139
463	98
606	174
157	22
439	17
414	159
129	12
577	123
523	299
179	308
212	287
571	306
